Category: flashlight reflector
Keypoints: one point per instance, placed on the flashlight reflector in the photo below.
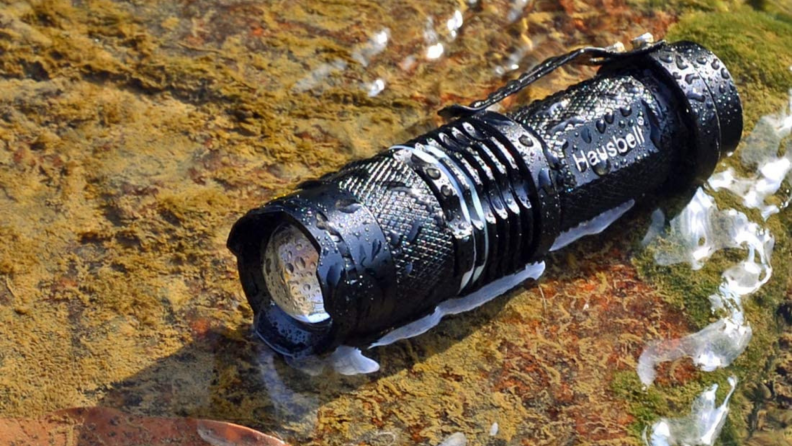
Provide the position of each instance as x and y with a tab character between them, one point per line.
289	268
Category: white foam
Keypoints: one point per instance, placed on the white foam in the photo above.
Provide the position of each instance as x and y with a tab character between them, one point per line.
374	87
593	226
363	54
716	346
701	427
318	76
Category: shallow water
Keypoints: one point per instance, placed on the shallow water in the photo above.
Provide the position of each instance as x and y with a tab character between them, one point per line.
134	134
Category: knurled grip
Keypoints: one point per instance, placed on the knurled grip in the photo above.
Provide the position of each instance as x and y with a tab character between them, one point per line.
611	139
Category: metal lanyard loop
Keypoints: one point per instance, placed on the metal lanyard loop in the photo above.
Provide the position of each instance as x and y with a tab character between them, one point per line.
582	56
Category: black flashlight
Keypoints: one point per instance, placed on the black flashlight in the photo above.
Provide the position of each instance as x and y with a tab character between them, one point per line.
352	255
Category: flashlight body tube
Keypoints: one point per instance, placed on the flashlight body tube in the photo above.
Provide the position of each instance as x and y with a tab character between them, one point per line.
479	198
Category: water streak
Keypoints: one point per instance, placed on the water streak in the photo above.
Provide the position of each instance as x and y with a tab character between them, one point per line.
761	154
692	237
434	48
701	427
516	10
593	226
345	360
363	54
462	304
718	344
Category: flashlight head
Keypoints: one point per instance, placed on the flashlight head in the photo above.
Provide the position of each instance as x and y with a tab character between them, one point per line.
318	268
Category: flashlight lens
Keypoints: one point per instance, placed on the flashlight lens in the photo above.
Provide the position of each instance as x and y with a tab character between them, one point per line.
290	273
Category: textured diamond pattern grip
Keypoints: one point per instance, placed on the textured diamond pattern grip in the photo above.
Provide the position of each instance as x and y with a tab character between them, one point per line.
411	219
615	137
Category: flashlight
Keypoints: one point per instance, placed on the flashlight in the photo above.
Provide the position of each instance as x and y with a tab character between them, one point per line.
380	243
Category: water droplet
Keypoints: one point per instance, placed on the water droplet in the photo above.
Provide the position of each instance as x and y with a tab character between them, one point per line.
472	131
586	135
665	57
715	64
609	117
725	73
552	158
432	173
347	206
544	180
701	60
446	190
690	77
602	167
626	110
681	64
600	125
526	141
696	96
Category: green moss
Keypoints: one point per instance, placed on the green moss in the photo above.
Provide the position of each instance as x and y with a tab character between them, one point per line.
687	5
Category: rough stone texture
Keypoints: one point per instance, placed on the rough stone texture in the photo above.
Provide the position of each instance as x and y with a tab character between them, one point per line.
133	134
